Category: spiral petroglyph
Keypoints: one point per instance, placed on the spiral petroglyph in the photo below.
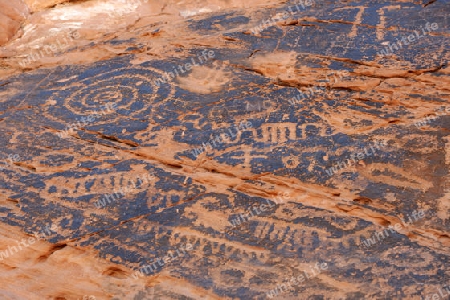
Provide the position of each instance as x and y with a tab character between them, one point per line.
130	90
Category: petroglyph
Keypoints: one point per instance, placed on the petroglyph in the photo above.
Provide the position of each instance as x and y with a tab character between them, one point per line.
347	97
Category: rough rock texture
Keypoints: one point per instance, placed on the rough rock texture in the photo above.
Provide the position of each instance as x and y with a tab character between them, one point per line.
279	152
12	13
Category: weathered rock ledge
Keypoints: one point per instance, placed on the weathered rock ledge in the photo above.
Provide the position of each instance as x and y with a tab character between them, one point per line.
278	140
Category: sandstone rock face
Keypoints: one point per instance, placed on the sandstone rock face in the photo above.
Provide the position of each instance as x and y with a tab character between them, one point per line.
12	14
226	150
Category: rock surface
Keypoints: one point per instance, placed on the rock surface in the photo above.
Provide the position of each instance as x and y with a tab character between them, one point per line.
12	13
314	123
